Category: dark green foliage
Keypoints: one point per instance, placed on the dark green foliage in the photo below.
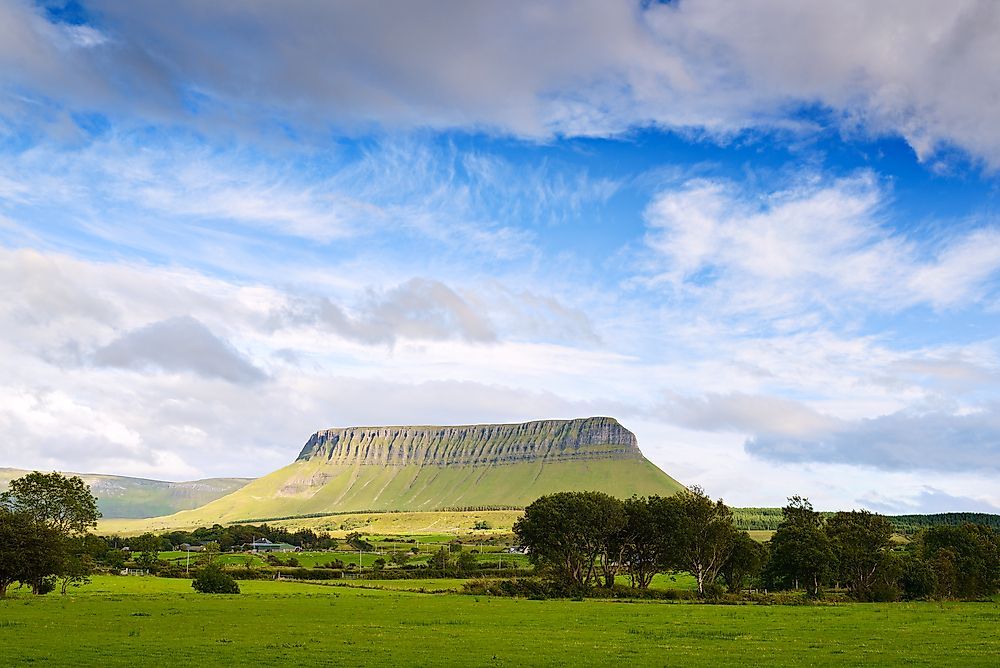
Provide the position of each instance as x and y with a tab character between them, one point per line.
236	535
566	532
801	553
645	542
440	560
467	562
703	536
910	524
358	542
213	580
917	579
745	564
43	524
860	542
30	550
65	504
965	560
768	519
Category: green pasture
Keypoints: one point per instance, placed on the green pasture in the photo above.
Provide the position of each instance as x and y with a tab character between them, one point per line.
119	621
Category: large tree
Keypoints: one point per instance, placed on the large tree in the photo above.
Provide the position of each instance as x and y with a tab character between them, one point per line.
30	550
704	535
566	532
53	513
860	542
745	562
64	503
800	549
648	531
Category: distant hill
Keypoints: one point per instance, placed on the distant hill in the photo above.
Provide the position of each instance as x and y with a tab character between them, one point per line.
421	468
122	497
767	519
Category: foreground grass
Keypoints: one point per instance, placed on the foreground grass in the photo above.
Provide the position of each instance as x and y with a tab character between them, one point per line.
124	621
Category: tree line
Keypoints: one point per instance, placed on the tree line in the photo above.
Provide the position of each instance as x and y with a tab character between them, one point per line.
768	519
587	539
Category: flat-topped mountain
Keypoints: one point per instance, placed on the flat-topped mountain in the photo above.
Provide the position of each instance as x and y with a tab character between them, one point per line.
480	444
413	468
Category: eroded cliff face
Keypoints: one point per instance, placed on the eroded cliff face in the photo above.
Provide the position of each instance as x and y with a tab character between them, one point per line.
542	440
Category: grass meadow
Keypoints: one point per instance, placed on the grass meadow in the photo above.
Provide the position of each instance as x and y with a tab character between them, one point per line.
117	621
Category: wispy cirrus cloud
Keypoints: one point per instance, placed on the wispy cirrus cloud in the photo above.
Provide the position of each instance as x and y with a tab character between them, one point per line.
821	246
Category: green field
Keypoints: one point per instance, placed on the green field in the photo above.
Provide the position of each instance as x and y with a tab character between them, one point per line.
153	621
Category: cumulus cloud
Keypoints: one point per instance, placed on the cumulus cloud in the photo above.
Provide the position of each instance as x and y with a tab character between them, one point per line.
926	71
902	441
180	344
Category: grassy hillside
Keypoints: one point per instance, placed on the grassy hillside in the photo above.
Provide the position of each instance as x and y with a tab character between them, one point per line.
122	497
431	468
309	487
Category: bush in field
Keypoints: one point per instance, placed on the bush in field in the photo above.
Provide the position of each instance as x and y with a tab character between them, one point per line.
467	562
213	580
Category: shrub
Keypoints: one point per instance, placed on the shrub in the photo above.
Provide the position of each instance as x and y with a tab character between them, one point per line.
213	580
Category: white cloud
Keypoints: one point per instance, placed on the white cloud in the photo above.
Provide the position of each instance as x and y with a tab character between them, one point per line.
820	246
927	71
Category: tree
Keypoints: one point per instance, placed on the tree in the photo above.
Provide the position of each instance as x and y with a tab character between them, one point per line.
650	536
358	542
467	562
965	559
614	542
30	550
440	560
213	580
705	536
210	554
860	541
54	512
745	563
566	532
800	549
917	578
65	504
79	560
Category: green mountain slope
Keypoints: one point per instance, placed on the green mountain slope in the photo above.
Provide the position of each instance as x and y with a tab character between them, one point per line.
122	497
432	468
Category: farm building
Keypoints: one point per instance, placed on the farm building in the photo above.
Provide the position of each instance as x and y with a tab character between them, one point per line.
264	545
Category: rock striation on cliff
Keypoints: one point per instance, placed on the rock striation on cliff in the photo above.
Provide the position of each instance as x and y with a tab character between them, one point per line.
480	444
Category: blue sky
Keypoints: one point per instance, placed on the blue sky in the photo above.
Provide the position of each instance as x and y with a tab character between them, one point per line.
775	258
